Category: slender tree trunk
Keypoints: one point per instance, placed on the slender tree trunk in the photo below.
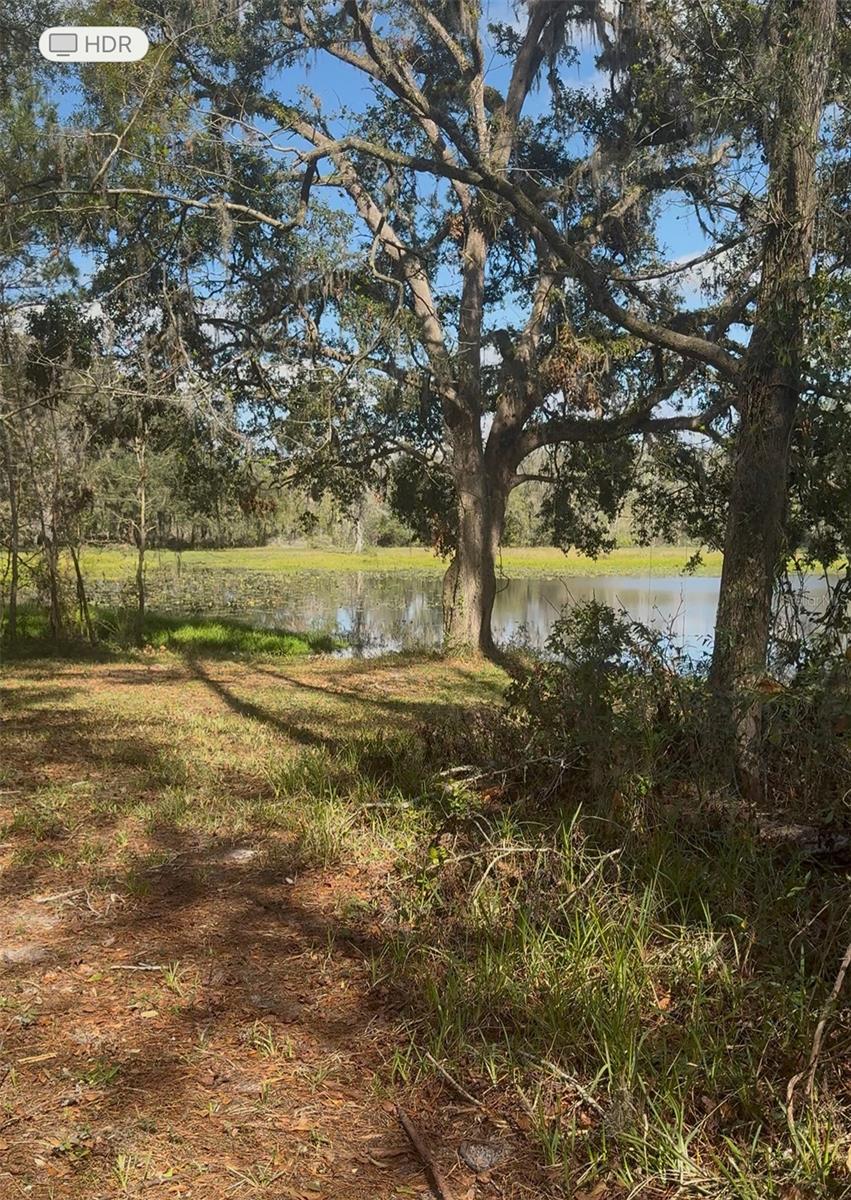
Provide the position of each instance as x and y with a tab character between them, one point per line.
82	598
52	550
359	519
755	545
14	532
141	535
51	558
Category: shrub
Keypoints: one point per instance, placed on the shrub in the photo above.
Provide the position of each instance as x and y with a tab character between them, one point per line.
613	709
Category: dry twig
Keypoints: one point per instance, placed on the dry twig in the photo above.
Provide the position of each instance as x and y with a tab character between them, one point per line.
453	1083
438	1184
583	1093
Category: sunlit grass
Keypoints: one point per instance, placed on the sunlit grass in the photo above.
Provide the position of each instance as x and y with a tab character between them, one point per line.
637	995
120	563
646	1008
212	636
208	636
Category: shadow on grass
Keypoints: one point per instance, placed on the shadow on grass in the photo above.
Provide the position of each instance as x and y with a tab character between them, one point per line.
256	712
676	968
250	949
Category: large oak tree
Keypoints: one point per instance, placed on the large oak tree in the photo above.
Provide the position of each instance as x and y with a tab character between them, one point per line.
502	269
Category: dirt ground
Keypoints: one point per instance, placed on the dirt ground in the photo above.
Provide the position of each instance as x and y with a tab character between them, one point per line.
184	1012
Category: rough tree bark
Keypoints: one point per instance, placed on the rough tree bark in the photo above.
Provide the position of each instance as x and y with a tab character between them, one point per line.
755	546
469	586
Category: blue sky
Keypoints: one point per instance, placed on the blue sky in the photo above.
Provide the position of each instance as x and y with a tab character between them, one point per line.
340	86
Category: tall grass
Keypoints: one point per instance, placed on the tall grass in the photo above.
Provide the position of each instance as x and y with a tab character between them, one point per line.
600	933
636	986
646	1006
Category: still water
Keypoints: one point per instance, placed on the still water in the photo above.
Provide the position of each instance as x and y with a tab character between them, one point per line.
376	612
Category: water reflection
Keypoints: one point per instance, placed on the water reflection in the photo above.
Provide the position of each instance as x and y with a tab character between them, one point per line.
376	612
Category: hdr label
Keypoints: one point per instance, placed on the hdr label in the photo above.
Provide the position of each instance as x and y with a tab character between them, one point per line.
93	43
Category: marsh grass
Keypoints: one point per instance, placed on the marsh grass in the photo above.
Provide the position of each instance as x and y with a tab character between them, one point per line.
221	636
119	562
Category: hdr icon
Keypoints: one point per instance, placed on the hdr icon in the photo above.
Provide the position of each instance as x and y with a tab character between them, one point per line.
93	43
107	43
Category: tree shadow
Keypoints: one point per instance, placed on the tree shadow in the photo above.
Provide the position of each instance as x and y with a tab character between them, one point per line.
255	712
261	954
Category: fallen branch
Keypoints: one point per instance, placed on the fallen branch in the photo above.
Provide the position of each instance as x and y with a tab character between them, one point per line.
583	1093
58	896
438	1184
134	967
810	839
815	1051
453	1083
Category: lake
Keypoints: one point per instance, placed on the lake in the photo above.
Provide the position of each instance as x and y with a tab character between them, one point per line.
376	612
380	613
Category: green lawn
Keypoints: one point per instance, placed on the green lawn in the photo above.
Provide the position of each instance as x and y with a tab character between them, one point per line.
117	563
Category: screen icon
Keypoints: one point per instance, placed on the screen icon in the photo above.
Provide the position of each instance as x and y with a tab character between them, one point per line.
62	43
93	43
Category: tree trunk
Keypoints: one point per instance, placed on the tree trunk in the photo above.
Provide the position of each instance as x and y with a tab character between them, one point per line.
141	537
82	598
359	521
469	585
52	551
51	558
755	546
14	533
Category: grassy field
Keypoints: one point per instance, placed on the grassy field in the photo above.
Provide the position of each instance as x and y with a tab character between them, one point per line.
119	563
244	912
